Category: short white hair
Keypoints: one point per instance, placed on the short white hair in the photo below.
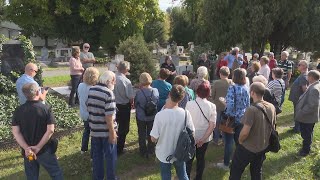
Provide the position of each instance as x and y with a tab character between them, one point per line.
236	49
305	63
107	77
286	53
271	54
260	78
256	55
202	71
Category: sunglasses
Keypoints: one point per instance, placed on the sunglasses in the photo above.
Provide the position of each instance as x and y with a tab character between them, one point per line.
34	70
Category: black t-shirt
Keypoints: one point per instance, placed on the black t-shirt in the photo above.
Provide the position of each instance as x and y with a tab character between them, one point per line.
32	119
171	68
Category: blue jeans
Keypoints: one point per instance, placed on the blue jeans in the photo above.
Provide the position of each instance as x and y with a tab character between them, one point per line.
217	131
85	136
48	161
103	151
229	139
180	167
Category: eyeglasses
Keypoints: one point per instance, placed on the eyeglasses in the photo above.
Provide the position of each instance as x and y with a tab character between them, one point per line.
34	70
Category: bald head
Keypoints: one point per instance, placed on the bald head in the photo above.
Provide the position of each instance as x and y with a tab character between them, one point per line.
31	69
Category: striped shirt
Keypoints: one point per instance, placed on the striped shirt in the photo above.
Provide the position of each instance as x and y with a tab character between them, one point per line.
286	66
276	88
100	103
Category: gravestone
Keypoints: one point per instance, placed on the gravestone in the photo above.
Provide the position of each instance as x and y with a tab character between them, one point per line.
44	54
12	57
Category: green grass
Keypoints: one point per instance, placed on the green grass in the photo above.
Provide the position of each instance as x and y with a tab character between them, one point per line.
283	165
56	81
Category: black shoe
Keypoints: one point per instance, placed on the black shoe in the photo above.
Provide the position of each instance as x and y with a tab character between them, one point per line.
302	153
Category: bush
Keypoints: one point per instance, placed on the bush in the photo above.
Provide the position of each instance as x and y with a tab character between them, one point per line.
6	85
101	60
135	51
65	117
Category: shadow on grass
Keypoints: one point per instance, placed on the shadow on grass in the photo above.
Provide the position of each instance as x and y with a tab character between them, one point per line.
285	120
274	166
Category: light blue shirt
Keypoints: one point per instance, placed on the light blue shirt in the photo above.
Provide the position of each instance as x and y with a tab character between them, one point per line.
24	79
230	58
123	90
83	92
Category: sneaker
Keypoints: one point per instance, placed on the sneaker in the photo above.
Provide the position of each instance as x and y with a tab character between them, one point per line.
222	166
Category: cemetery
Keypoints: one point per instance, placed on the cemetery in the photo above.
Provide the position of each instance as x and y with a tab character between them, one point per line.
144	35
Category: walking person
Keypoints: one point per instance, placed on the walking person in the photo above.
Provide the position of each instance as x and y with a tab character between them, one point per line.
145	121
165	132
124	96
298	87
90	78
103	127
203	114
76	71
33	125
220	89
307	111
254	136
237	100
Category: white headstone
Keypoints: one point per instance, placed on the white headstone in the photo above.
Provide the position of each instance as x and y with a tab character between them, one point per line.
179	50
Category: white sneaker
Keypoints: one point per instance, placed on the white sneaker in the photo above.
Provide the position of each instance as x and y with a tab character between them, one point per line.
82	152
222	166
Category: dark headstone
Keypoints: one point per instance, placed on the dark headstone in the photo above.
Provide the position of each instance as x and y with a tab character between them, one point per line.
12	58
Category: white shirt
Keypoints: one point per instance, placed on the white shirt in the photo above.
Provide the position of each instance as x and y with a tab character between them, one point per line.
265	71
167	127
200	123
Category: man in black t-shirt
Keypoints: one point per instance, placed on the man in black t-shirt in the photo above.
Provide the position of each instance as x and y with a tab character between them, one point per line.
32	127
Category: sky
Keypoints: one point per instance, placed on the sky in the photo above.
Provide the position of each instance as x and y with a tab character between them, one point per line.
164	4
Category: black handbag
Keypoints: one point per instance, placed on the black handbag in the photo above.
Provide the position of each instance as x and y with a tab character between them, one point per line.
227	122
274	140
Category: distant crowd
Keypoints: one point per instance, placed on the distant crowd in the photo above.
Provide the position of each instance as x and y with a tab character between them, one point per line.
248	96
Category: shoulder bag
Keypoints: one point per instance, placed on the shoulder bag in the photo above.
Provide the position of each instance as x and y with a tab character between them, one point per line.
227	122
202	111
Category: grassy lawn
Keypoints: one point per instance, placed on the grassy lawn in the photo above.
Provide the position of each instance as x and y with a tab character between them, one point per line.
283	165
56	81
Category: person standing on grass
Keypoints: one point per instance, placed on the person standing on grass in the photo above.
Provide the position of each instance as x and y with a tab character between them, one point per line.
298	87
163	87
76	71
307	111
203	114
220	89
102	110
272	64
90	78
277	85
30	71
32	127
181	80
254	136
124	95
168	64
86	57
237	100
264	70
144	122
165	132
287	67
202	74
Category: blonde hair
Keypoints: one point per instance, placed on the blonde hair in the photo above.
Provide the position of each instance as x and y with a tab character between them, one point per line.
91	76
145	79
261	79
265	59
256	66
181	80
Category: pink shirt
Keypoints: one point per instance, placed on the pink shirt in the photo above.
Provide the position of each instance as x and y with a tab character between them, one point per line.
75	66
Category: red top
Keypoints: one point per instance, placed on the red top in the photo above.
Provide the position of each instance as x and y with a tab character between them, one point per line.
272	64
221	63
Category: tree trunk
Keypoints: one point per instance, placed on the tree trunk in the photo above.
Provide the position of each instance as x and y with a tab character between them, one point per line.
46	41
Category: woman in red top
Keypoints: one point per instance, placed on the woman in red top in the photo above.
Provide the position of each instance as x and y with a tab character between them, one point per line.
221	62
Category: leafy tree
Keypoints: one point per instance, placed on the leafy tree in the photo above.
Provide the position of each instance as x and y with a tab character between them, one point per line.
135	51
181	28
2	3
155	30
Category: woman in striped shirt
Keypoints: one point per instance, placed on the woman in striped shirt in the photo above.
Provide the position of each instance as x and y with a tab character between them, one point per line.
277	85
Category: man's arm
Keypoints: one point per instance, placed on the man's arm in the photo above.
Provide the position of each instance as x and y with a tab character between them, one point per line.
19	138
244	133
45	138
43	94
112	131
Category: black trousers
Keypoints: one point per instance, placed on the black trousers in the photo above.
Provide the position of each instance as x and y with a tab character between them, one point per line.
307	135
200	154
75	81
123	120
144	129
241	158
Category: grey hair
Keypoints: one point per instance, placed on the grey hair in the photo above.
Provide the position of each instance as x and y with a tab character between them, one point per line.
123	65
271	54
286	53
256	55
236	49
305	63
314	74
107	77
30	90
202	72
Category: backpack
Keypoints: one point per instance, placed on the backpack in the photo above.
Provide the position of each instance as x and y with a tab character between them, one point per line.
150	108
186	145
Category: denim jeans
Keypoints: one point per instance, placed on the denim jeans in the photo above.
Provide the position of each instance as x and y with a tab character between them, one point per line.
103	151
75	81
217	131
242	157
85	136
307	135
180	167
229	139
48	161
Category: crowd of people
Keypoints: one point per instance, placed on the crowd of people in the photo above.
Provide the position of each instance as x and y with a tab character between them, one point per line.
250	92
